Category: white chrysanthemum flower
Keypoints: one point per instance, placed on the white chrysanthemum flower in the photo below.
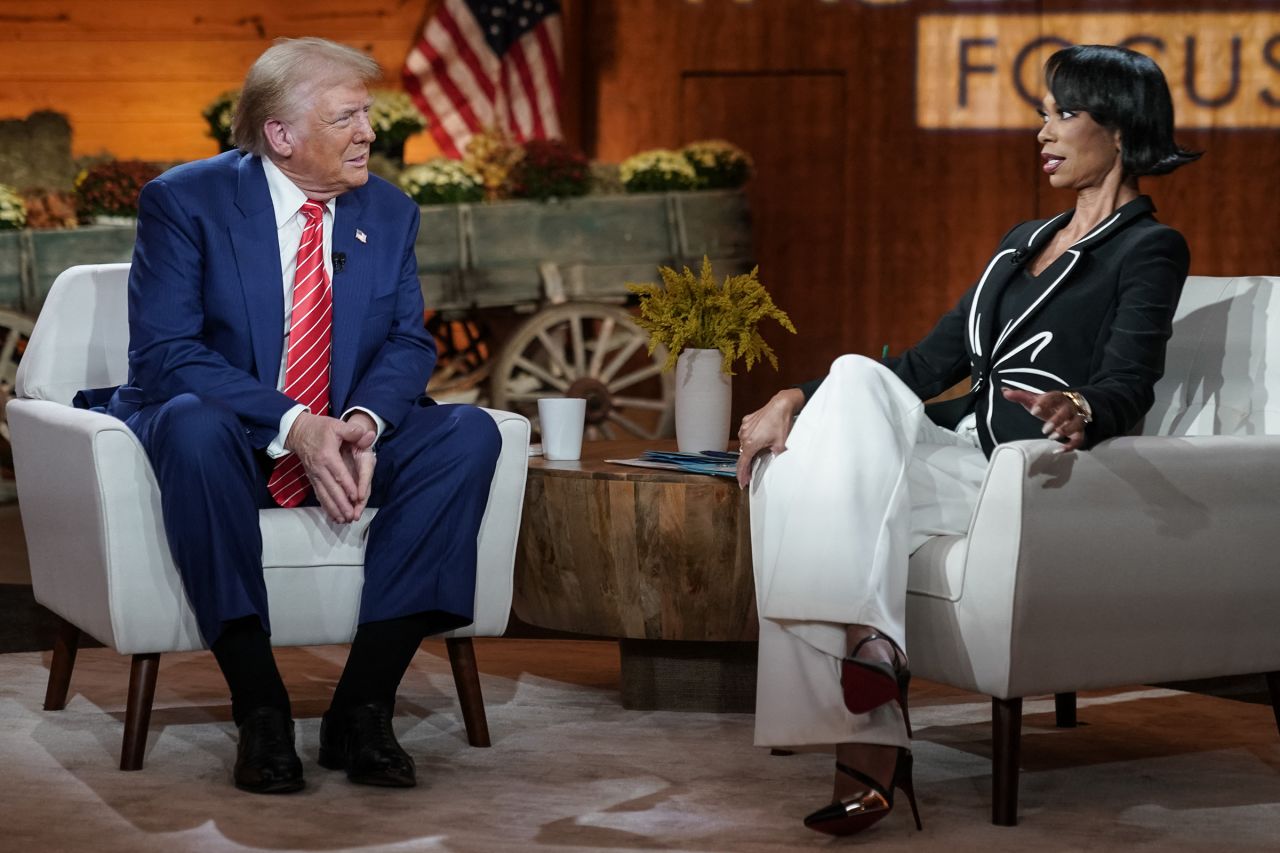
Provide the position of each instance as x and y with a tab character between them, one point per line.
441	179
394	114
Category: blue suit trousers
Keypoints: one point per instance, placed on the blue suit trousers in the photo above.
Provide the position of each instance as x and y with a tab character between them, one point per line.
430	484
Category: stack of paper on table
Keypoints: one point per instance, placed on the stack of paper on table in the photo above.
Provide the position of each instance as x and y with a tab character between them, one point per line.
718	463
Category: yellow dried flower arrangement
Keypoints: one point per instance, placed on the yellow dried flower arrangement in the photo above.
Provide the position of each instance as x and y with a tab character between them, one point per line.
492	155
693	311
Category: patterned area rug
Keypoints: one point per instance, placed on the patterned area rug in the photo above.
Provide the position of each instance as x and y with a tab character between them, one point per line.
571	770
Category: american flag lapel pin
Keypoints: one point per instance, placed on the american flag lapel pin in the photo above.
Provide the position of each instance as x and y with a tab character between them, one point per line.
360	235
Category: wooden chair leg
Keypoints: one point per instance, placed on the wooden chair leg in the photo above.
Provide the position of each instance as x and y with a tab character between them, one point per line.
1064	705
462	657
1006	742
65	646
137	715
1273	685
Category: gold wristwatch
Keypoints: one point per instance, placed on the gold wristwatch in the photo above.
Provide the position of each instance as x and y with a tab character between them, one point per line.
1081	404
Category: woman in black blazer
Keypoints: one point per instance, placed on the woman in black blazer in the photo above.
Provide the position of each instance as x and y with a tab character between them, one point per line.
1063	335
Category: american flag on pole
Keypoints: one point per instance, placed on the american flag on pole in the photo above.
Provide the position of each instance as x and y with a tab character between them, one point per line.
482	64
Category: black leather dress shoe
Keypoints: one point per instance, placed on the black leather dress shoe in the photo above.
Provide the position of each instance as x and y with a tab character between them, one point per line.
362	742
266	761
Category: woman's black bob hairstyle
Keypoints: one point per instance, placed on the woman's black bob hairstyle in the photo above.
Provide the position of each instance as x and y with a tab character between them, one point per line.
1122	90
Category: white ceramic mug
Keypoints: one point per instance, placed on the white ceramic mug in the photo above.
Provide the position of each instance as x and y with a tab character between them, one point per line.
561	420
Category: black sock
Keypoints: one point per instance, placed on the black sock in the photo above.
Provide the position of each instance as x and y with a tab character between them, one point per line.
244	654
380	654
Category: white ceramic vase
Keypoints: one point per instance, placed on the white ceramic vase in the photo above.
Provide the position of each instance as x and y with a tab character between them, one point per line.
704	395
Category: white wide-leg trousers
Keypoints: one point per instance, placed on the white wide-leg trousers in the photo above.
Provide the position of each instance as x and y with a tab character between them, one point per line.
865	480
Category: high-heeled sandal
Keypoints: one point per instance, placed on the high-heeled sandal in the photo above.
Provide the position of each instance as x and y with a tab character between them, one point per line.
869	684
846	817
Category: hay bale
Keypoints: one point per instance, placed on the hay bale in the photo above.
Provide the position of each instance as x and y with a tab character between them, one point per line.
35	152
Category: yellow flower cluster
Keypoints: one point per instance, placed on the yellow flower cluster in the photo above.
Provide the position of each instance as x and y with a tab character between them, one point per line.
219	114
492	154
709	152
692	311
13	210
657	170
225	107
719	164
442	181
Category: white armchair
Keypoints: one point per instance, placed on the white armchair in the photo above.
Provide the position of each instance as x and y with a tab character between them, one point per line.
99	557
1149	558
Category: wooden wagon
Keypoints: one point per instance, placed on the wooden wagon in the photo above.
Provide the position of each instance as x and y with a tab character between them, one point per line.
569	263
565	264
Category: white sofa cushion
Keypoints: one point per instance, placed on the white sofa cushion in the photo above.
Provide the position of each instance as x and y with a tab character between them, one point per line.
306	537
937	567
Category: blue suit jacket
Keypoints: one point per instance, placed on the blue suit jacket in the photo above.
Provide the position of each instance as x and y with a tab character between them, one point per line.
206	304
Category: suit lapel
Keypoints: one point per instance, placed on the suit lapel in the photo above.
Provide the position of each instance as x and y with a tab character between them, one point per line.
257	258
1052	278
351	289
982	312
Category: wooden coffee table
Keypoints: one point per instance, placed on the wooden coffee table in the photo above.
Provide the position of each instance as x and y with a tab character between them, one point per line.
659	559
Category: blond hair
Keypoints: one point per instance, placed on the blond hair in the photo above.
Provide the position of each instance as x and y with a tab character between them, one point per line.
284	76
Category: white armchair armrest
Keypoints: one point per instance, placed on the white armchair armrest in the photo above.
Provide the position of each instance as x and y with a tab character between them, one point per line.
76	464
499	529
1133	557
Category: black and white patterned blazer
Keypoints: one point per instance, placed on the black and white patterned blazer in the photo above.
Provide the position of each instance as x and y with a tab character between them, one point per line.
1099	326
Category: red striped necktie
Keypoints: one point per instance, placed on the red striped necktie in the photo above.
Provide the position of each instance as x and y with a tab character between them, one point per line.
306	373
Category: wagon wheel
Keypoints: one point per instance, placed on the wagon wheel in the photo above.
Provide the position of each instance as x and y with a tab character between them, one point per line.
463	348
15	331
592	351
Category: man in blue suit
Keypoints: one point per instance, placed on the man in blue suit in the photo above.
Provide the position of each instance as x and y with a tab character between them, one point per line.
278	357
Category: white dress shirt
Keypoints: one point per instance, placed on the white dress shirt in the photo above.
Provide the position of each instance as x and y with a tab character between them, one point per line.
287	200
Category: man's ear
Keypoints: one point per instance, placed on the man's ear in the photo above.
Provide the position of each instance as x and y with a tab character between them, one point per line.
279	137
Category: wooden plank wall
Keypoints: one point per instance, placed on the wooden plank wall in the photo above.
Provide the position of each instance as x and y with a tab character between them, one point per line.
133	76
868	227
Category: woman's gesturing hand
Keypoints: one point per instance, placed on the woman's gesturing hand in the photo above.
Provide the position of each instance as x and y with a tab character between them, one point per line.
1062	420
766	429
